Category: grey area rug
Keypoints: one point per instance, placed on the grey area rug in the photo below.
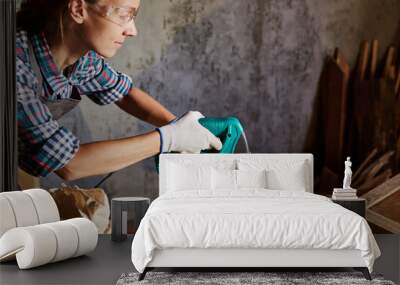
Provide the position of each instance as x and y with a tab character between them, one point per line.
231	278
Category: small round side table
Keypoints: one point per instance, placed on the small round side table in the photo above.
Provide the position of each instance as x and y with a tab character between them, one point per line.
126	214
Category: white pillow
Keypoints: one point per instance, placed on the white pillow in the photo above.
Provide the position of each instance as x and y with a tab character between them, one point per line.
281	174
224	179
182	177
251	178
290	179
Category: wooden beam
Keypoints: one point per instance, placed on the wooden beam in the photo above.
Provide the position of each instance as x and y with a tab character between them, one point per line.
363	60
373	169
397	84
389	61
374	59
366	162
383	191
374	181
383	222
384	160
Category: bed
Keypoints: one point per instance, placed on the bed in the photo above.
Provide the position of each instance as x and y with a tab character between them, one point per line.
246	211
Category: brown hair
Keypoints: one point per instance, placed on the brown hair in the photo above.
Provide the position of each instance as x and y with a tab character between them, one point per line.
36	16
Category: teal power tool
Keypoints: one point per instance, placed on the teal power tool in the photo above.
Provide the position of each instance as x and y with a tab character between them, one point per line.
228	130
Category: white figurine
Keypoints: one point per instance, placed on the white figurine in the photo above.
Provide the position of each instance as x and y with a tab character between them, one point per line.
347	174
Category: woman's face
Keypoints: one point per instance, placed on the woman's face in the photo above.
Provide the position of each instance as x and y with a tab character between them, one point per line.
107	25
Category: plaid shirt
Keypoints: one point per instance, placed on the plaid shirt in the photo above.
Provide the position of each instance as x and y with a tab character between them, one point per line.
44	146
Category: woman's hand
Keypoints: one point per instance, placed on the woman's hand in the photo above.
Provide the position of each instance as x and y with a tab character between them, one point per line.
187	135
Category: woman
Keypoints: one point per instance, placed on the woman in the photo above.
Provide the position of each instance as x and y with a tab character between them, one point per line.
61	46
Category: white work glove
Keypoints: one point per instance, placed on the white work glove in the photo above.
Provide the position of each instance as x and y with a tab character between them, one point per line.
187	135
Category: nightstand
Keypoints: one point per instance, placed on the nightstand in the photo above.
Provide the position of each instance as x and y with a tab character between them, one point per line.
126	214
358	205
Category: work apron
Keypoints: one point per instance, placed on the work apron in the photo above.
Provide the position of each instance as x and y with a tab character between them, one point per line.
59	107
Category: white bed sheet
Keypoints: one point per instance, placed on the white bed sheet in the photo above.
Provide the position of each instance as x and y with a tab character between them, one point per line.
250	218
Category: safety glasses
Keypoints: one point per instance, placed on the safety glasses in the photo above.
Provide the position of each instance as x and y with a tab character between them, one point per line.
120	15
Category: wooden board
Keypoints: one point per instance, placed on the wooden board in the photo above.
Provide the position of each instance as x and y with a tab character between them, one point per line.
376	117
383	191
389	207
397	83
383	222
334	84
362	60
389	63
374	59
383	205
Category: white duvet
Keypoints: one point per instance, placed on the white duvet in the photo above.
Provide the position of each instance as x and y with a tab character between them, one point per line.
250	218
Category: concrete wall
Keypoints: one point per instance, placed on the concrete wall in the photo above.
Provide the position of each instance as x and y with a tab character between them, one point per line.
259	60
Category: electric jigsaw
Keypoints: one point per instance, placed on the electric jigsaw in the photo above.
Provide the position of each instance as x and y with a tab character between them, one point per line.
229	130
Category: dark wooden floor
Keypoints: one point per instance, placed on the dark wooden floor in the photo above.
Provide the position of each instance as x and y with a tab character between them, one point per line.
102	266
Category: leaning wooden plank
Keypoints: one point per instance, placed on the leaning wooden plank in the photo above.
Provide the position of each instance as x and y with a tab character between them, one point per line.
389	62
384	160
393	73
372	98
373	169
382	191
343	106
365	163
333	88
374	59
389	207
342	63
362	60
336	56
397	84
372	182
383	222
397	158
345	68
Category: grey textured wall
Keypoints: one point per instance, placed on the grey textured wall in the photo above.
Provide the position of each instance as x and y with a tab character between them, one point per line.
259	60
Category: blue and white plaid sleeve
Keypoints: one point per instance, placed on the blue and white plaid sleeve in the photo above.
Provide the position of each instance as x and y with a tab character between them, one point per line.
43	145
107	86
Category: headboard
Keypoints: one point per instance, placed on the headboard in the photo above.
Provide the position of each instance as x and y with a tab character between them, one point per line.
218	159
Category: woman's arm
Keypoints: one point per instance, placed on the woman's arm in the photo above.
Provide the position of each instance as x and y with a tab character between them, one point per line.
186	135
107	156
141	105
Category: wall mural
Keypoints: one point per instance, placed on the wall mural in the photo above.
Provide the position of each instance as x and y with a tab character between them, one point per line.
275	66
